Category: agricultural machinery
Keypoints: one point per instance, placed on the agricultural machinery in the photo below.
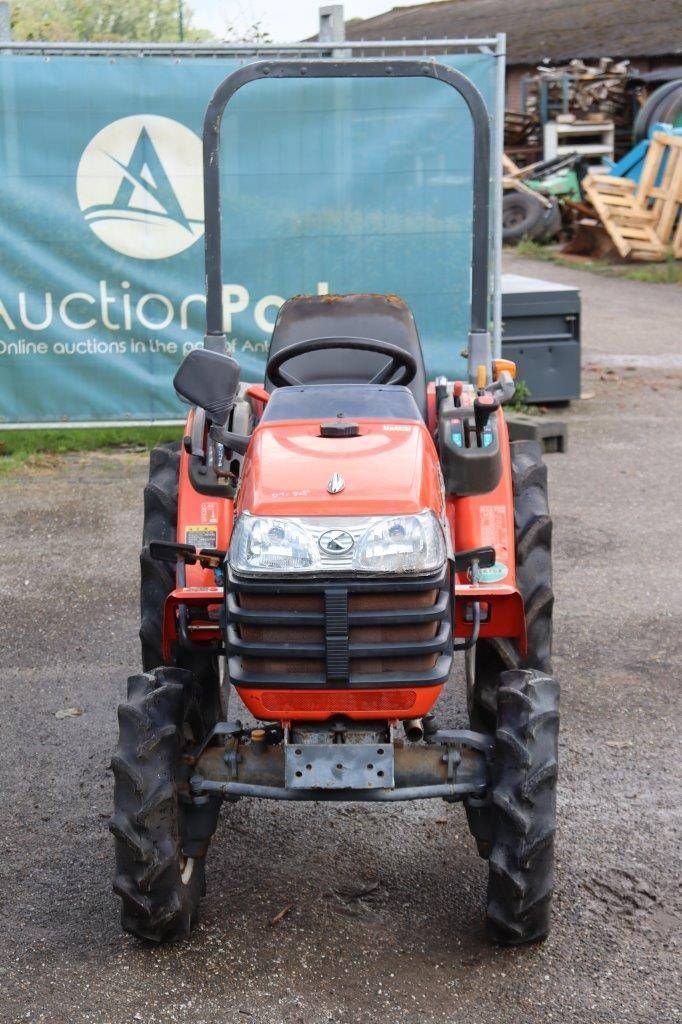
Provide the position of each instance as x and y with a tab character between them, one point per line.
333	549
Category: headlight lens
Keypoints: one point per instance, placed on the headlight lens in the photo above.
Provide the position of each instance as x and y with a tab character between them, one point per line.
412	544
262	544
404	544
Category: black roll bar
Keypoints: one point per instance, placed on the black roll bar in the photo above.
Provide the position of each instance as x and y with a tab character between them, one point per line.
359	67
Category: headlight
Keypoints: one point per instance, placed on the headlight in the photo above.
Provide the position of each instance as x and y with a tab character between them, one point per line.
262	544
412	544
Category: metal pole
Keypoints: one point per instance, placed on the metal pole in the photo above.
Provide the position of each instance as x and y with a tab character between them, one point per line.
332	24
5	22
242	49
333	29
498	150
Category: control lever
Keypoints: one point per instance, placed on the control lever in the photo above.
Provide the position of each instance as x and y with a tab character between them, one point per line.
484	406
234	442
441	391
502	388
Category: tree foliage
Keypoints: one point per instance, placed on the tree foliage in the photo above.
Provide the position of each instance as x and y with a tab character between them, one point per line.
103	21
254	33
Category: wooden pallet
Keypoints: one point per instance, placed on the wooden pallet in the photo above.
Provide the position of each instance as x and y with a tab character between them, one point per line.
643	219
665	198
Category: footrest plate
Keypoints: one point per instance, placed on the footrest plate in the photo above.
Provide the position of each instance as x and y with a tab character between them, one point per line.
339	766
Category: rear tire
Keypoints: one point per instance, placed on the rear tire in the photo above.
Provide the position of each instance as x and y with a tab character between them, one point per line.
157	579
533	529
521	863
161	837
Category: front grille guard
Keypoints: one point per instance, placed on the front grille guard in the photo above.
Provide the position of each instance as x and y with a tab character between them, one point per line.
337	652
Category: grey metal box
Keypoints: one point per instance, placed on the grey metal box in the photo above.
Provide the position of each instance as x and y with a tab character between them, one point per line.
541	334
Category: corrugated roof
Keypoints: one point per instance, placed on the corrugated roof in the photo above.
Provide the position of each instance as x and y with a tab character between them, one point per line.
557	29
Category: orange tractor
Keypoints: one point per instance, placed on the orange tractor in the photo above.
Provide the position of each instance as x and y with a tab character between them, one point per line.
325	545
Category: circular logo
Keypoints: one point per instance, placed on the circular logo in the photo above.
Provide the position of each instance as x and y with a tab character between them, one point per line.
336	542
139	185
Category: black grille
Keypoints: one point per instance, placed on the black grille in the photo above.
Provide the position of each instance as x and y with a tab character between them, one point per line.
353	633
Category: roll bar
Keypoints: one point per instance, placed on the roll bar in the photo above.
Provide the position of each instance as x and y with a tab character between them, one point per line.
359	67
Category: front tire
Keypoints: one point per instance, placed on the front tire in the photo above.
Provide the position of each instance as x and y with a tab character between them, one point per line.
508	695
160	837
521	863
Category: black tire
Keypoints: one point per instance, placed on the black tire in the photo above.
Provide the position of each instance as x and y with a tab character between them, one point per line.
521	863
533	530
157	579
653	109
522	215
670	111
161	838
551	222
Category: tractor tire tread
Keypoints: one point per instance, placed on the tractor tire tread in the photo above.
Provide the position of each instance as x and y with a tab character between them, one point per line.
157	905
533	528
157	579
521	874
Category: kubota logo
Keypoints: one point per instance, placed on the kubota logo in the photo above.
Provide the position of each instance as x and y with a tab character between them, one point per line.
336	542
139	185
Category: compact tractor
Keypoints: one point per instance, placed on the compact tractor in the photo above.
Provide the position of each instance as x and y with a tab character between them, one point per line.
325	544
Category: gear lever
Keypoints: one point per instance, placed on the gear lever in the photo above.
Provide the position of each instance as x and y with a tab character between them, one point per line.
484	406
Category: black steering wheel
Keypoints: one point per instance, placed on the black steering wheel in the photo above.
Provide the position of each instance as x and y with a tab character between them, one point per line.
398	359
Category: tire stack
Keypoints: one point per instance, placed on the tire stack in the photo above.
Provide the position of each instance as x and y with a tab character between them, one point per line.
663	105
524	216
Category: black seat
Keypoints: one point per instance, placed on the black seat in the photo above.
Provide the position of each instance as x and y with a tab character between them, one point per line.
380	317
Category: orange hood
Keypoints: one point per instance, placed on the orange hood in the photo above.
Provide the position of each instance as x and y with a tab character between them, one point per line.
389	469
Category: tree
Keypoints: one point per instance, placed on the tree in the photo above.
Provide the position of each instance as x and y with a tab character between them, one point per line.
106	21
254	33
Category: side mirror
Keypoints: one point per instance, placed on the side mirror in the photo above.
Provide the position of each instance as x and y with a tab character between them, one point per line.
209	380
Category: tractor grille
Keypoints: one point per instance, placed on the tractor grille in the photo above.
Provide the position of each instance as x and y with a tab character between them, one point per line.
341	633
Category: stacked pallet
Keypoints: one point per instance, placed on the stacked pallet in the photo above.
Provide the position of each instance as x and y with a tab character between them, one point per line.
643	218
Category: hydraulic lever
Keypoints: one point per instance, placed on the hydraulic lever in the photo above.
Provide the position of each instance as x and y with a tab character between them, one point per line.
484	406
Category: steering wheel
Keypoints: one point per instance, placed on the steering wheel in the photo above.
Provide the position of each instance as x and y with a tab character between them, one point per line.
398	359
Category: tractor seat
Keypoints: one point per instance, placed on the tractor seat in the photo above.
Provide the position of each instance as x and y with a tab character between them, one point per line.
380	317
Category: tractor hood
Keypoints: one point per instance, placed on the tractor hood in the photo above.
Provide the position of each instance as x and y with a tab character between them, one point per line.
390	468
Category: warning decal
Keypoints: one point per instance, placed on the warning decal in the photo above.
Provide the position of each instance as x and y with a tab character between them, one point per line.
201	536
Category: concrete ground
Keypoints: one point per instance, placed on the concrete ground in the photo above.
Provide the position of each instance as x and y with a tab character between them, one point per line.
385	905
624	323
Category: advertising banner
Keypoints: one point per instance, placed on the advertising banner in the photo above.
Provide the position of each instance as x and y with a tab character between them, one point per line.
328	185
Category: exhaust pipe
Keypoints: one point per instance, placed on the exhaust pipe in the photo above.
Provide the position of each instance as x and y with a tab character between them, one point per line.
414	729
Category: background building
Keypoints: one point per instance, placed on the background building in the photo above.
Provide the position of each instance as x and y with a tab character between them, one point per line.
649	35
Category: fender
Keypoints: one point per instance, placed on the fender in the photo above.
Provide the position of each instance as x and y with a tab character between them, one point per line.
482	520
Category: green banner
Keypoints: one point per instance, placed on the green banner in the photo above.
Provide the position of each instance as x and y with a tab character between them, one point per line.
332	185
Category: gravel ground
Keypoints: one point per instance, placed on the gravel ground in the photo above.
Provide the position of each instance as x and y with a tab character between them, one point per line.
412	949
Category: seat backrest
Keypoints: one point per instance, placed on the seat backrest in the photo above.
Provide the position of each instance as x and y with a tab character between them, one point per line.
380	317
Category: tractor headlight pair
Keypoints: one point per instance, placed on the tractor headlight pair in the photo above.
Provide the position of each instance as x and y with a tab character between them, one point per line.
412	544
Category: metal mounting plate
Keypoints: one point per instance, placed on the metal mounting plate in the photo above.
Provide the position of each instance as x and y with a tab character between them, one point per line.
339	766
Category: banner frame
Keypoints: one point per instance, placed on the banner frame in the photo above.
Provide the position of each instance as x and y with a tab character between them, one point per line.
493	45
